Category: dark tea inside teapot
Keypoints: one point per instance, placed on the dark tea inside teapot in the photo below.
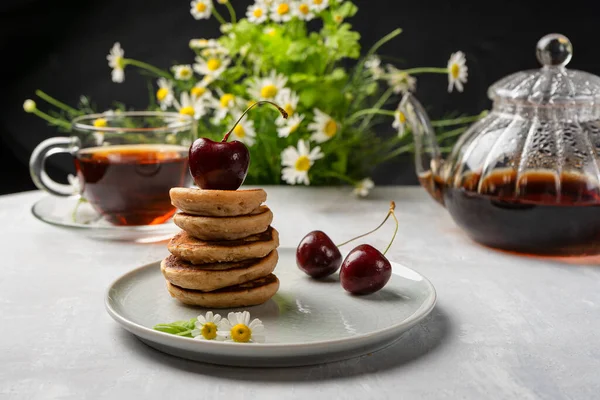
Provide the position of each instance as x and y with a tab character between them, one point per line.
526	177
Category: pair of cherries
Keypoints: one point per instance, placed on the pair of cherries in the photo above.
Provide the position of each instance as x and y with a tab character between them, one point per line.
365	269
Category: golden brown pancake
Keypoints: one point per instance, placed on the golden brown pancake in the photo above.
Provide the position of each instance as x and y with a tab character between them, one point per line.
247	294
209	277
217	203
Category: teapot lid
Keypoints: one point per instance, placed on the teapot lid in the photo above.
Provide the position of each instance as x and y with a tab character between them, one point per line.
551	84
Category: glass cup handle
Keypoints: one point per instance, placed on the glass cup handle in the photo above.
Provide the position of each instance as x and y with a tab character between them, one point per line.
37	164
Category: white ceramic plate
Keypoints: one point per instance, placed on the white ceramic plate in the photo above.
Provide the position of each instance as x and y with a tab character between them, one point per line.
307	321
64	213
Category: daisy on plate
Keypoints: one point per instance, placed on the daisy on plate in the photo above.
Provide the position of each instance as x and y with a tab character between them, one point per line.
164	94
227	103
213	64
399	121
457	71
203	43
303	10
296	162
201	9
363	187
319	5
187	105
115	61
257	13
400	81
244	131
291	125
281	10
323	127
182	72
238	328
267	88
288	100
207	326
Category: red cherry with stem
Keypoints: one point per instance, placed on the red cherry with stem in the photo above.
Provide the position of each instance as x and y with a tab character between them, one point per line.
222	165
319	257
365	270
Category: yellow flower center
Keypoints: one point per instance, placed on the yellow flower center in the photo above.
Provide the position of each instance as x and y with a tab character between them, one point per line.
213	64
119	62
283	9
198	91
241	333
271	32
100	123
184	72
268	91
304	9
239	131
401	117
162	93
209	331
338	18
226	99
330	128
294	128
200	7
454	70
258	12
318	2
189	110
302	164
289	109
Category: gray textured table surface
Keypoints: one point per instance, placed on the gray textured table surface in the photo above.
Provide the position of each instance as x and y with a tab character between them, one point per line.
505	327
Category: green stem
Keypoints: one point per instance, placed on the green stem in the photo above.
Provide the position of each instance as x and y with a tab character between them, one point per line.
57	103
390	212
383	41
369	111
147	67
334	174
218	16
79	202
384	97
458	121
231	12
397	152
52	120
421	70
395	231
451	133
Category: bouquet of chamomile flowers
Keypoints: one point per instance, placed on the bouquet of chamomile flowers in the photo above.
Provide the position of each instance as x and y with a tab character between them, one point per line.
295	53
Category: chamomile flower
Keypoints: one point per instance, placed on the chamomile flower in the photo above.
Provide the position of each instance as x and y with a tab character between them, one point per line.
200	92
323	127
281	10
201	9
115	61
213	64
244	131
373	65
182	72
238	328
190	106
164	94
29	106
257	13
296	162
267	88
292	124
203	43
399	121
303	10
400	81
319	5
226	103
362	188
457	71
288	101
207	326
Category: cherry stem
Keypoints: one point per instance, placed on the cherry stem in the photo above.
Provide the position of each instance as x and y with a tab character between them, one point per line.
284	114
390	212
395	230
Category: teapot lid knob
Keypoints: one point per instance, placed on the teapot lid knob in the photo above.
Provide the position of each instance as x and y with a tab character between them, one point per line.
554	49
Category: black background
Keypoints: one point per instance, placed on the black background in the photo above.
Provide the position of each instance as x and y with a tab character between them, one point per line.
61	46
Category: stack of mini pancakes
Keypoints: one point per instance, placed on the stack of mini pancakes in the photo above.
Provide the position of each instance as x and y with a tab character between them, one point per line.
227	251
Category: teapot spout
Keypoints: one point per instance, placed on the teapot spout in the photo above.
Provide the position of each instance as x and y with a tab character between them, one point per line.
428	157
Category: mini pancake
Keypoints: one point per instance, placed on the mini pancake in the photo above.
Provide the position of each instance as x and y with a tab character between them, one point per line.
199	277
225	228
217	203
246	294
197	251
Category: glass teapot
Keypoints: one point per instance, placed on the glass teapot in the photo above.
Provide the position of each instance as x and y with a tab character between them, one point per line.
526	177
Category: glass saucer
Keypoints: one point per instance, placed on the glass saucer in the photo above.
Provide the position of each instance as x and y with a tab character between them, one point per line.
64	212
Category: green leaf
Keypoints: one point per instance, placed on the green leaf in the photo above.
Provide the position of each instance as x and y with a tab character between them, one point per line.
180	328
347	9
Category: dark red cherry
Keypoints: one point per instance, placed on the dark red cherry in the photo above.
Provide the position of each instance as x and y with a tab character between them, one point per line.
218	165
317	255
365	270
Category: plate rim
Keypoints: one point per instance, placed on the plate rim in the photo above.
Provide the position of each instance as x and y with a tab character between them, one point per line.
132	326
